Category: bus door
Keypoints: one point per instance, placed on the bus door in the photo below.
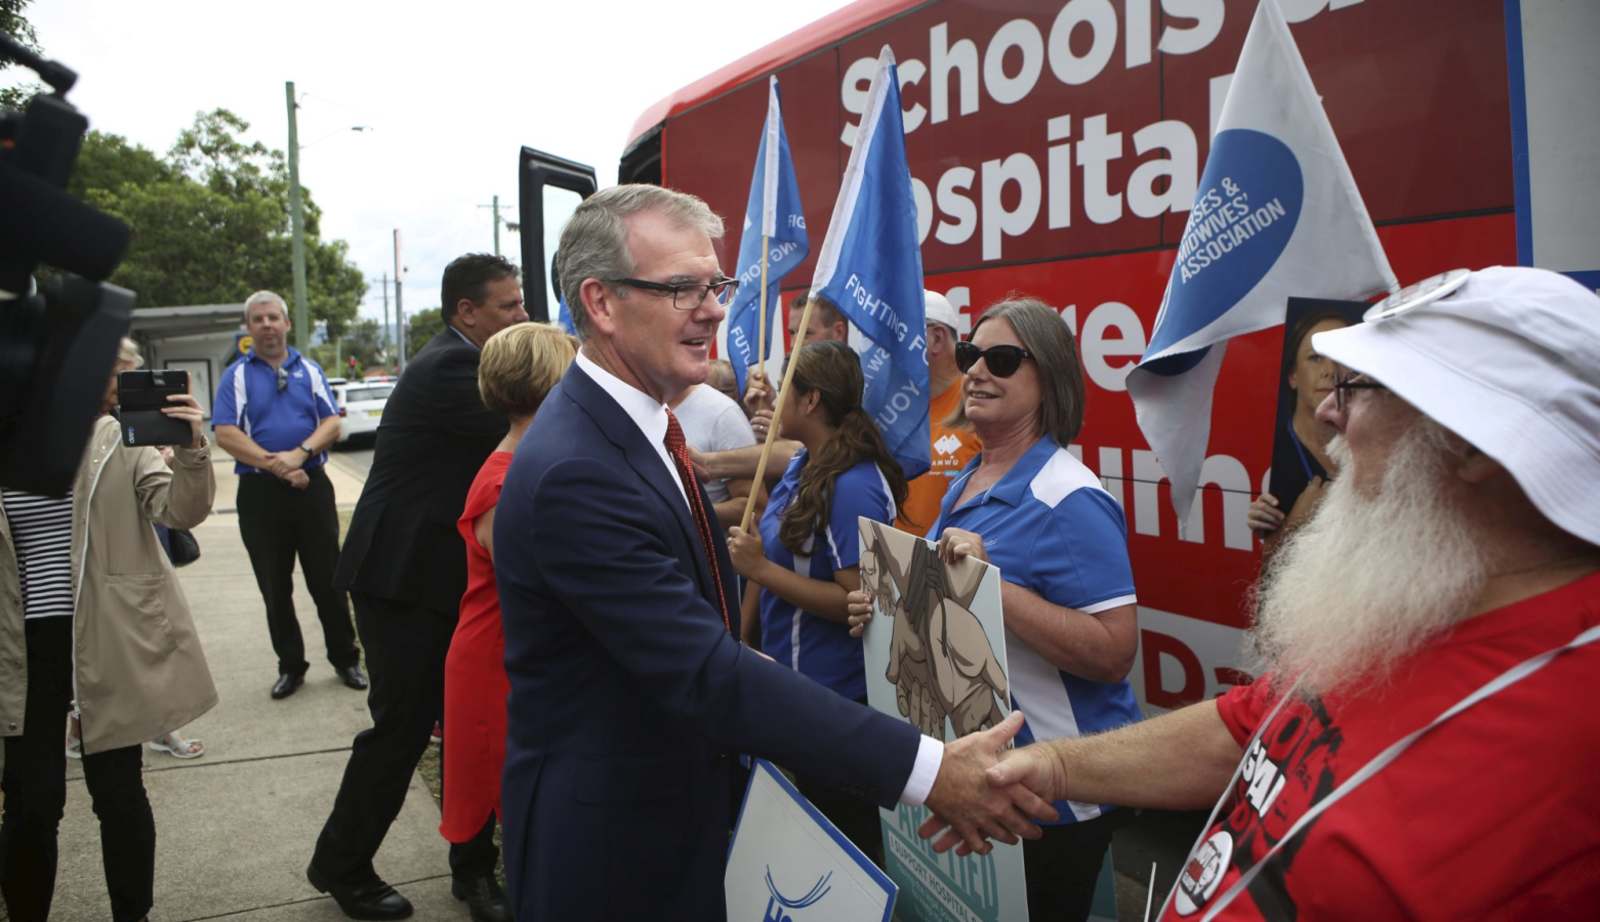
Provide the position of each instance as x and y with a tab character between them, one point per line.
549	190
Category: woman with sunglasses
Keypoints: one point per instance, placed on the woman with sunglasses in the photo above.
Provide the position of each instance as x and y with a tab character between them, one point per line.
806	556
1028	506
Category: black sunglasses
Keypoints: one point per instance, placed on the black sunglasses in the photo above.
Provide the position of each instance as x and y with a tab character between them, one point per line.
1352	382
1002	361
283	379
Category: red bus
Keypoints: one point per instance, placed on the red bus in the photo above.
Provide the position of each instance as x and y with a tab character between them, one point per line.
1054	147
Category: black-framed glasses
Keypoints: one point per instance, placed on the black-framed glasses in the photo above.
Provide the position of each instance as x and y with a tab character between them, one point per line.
1352	382
283	379
1002	361
689	295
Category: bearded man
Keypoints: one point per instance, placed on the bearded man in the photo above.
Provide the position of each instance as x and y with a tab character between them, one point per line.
1418	745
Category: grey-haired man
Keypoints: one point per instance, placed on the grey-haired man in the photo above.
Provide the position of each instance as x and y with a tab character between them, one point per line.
276	415
1419	744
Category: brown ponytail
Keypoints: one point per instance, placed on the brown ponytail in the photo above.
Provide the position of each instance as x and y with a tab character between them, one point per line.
833	370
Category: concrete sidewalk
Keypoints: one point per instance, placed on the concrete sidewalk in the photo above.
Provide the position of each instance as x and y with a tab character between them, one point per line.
235	828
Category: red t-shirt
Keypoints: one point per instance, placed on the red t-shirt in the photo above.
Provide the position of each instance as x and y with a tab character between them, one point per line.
1495	814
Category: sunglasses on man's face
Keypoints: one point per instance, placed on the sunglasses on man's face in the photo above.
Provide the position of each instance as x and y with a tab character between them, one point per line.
1002	361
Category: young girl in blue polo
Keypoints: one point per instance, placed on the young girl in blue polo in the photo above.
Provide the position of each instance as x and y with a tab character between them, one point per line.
806	558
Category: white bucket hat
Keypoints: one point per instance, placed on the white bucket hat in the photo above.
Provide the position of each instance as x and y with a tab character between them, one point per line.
939	310
1509	361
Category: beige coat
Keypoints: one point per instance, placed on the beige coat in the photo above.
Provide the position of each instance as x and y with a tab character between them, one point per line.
138	668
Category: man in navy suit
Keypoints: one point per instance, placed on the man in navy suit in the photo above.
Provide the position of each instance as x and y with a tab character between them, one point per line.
631	696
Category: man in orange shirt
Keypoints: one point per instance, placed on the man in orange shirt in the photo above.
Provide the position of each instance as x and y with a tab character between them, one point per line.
952	448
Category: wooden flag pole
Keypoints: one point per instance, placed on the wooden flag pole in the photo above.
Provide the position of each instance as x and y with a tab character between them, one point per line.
777	415
761	342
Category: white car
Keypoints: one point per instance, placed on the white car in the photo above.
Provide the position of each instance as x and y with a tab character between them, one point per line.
361	408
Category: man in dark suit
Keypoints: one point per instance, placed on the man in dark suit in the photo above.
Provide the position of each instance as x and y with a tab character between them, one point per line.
405	567
631	696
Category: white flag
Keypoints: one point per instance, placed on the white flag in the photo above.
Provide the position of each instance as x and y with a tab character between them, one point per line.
1276	215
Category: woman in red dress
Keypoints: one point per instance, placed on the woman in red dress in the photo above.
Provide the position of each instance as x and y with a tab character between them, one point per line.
519	366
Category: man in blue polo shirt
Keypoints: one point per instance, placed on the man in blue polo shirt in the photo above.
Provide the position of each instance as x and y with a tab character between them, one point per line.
275	414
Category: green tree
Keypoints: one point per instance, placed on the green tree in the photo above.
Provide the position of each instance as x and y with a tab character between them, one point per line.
15	26
422	327
364	342
108	162
211	221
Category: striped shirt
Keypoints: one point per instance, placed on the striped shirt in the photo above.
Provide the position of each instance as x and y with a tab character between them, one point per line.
41	532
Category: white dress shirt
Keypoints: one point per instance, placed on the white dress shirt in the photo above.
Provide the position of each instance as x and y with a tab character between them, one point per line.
650	415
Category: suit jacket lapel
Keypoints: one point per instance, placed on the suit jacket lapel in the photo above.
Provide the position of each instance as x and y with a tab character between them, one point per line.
642	457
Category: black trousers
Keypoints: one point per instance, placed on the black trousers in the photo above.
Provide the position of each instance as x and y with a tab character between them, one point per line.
855	816
35	785
1063	866
278	523
405	647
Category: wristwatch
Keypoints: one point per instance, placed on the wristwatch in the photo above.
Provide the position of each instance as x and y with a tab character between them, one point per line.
306	448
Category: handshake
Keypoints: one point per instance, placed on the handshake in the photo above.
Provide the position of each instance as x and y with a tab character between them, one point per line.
984	791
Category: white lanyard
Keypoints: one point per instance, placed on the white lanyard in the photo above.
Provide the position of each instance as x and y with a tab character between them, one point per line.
1376	764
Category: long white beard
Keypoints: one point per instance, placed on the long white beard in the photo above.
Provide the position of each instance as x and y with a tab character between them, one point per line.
1370	579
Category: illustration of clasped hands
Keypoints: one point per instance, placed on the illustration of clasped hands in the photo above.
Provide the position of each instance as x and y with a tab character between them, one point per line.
943	668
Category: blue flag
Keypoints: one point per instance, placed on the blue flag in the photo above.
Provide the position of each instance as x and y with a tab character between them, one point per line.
871	266
1277	215
773	213
564	316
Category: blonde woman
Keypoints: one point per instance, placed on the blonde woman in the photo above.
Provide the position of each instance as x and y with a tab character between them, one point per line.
519	366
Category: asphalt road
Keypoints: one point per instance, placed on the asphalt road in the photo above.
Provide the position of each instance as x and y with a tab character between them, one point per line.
356	460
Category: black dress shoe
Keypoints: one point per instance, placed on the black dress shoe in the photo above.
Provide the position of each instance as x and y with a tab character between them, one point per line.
286	685
352	678
484	898
372	900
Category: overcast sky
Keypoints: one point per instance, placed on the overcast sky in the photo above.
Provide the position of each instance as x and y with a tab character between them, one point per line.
450	92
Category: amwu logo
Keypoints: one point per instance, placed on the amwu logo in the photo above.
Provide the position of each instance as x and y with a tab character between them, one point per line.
778	903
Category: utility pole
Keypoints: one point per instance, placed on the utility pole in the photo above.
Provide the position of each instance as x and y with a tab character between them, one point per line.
302	325
496	206
386	328
399	312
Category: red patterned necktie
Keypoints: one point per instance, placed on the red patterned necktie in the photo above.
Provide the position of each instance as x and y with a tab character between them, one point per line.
678	448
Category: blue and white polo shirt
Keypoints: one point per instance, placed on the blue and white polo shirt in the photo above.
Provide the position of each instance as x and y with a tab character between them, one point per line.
1051	528
248	397
819	649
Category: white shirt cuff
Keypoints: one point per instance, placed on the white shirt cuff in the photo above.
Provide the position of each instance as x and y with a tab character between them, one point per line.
930	753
